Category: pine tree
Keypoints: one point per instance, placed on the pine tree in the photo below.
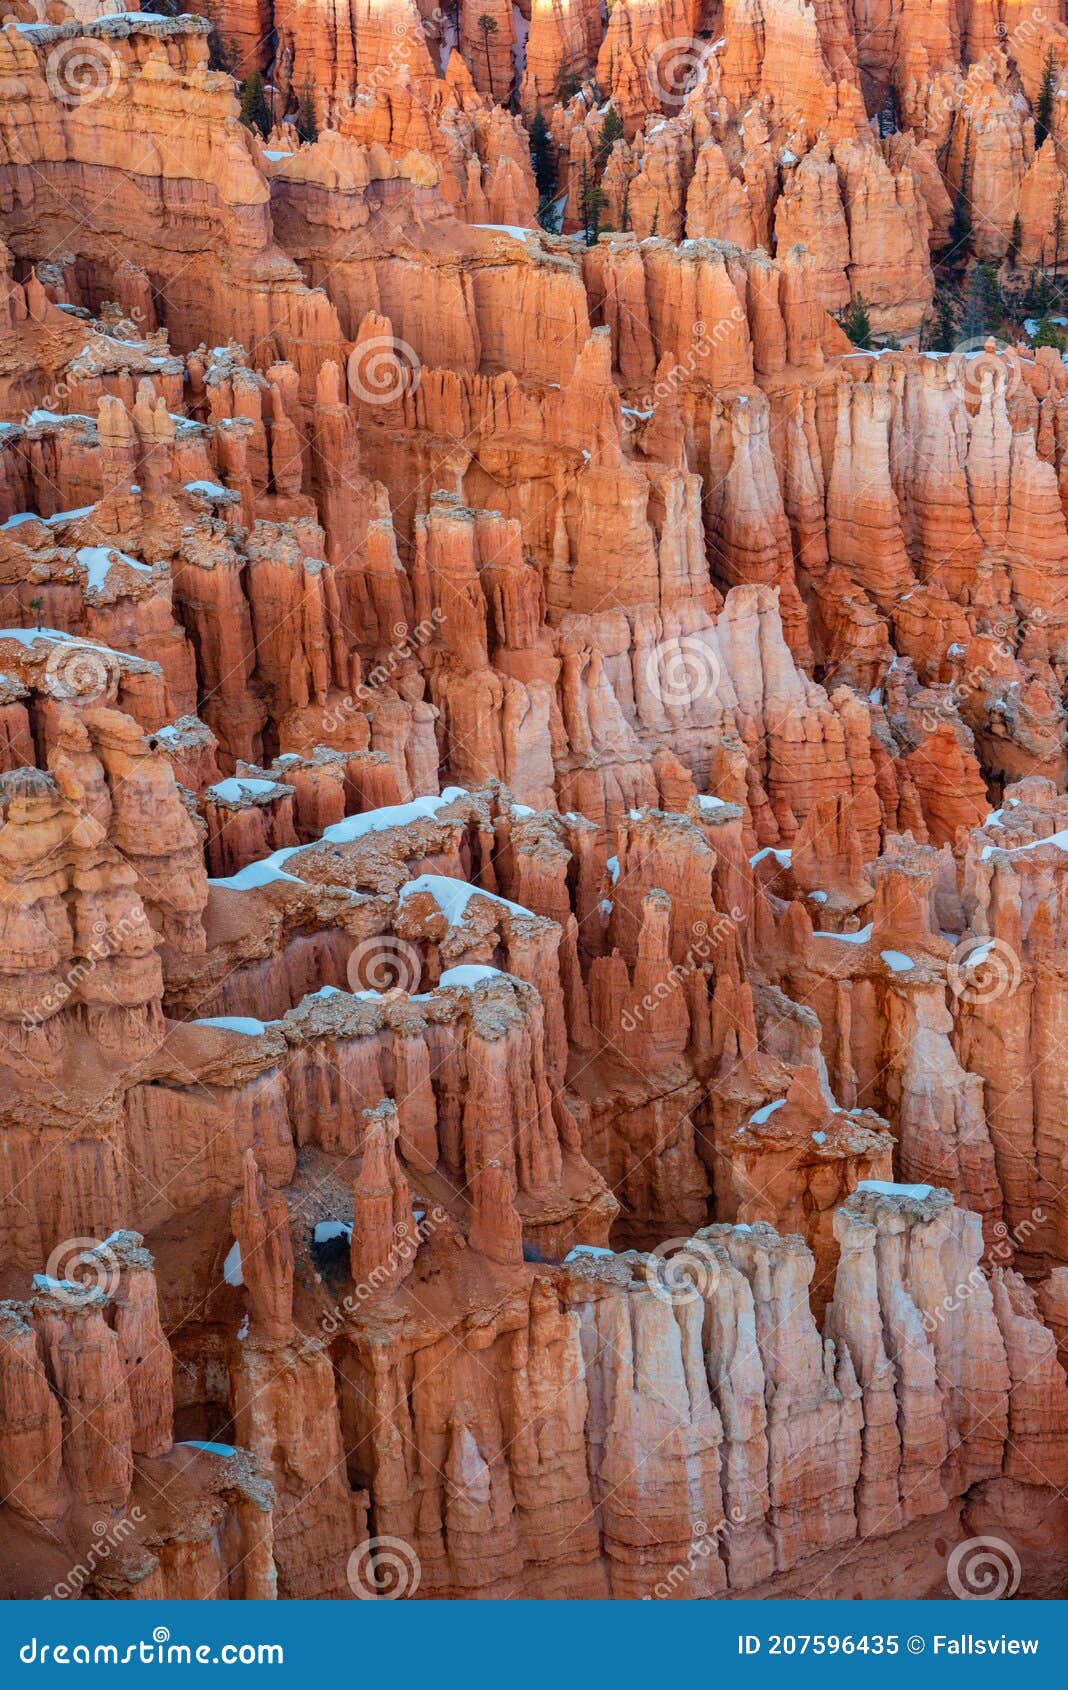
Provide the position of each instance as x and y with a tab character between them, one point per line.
1048	334
591	200
567	85
960	233
856	322
488	26
541	157
611	132
944	330
254	109
221	54
1046	94
307	128
1012	251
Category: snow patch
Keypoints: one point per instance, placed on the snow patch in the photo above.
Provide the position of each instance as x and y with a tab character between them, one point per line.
470	974
897	961
246	1024
885	1188
759	1116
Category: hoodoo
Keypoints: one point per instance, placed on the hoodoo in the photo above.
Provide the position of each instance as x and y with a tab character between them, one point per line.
533	799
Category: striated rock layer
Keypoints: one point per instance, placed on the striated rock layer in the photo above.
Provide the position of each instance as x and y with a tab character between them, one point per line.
533	814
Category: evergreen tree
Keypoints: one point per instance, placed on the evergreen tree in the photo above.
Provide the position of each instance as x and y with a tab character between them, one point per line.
1048	334
547	214
1012	251
944	328
856	322
567	85
960	233
611	132
221	54
541	157
307	128
488	26
591	201
1047	93
255	113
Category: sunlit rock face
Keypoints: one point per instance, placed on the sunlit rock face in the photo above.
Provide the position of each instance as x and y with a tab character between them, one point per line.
533	829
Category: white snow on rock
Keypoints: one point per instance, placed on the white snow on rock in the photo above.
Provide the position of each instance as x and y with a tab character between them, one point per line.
99	560
513	229
470	974
246	1024
765	1113
232	1265
391	815
210	1448
861	936
268	869
453	896
885	1188
783	858
239	787
1059	840
581	1250
897	961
